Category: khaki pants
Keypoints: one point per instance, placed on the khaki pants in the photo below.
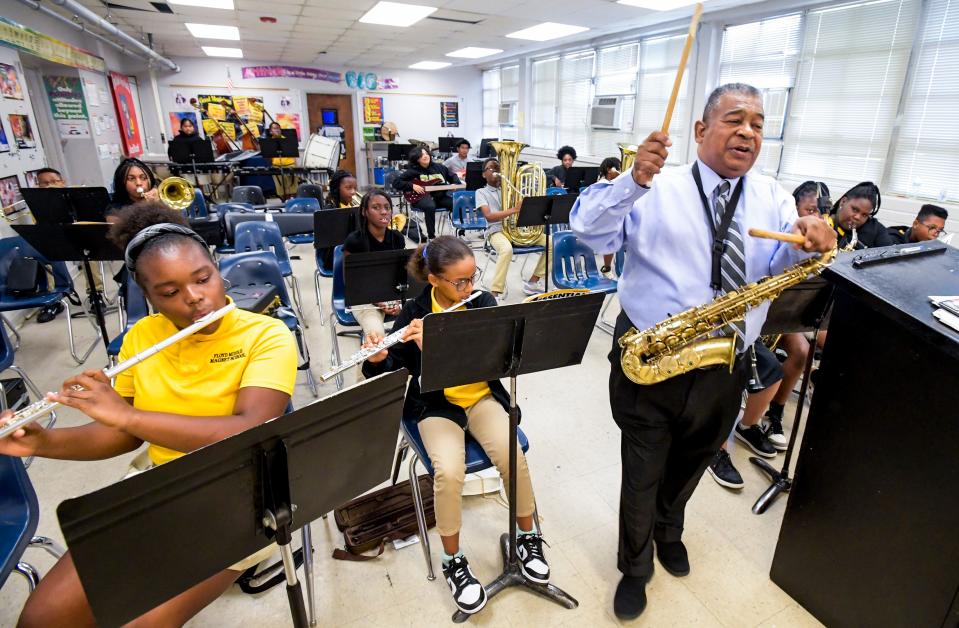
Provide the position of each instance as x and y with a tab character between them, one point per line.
504	254
445	443
370	318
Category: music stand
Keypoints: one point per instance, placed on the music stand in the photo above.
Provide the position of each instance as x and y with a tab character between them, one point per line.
445	144
514	340
398	152
545	211
802	308
576	175
211	508
78	242
191	153
290	224
331	226
474	175
67	205
379	276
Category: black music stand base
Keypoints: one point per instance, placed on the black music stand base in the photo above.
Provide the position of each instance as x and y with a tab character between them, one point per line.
512	575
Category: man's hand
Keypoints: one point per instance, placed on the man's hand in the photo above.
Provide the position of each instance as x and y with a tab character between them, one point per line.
820	237
651	157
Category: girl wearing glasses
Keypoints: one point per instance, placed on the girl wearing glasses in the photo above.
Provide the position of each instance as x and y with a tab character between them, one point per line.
444	417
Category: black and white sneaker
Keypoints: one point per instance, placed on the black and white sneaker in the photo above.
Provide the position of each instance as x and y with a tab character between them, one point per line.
468	594
723	471
774	430
529	550
755	439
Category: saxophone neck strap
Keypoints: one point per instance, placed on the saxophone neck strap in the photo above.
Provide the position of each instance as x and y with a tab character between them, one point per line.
719	233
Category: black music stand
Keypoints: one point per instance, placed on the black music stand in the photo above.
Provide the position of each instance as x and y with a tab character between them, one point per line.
191	153
379	276
545	211
513	340
474	175
66	205
209	509
78	242
576	176
398	152
802	308
331	226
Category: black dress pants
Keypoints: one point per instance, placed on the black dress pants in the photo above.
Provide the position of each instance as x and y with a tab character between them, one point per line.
670	432
428	205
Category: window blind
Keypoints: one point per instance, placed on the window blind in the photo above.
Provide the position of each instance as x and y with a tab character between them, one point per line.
543	110
659	58
575	92
491	89
616	74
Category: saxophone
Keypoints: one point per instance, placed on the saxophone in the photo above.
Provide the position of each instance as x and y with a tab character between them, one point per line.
686	341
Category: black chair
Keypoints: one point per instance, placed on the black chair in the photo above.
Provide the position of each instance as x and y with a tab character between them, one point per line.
248	194
310	190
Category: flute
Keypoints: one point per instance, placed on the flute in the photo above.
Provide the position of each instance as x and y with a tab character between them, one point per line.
393	338
40	407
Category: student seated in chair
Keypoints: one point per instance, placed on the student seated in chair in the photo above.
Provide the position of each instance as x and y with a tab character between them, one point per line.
855	212
930	223
444	418
556	177
489	202
179	400
420	172
457	163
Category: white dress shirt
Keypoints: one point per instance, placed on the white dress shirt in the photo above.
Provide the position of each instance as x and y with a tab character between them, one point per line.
669	241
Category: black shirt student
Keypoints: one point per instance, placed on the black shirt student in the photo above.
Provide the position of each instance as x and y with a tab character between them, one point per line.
422	168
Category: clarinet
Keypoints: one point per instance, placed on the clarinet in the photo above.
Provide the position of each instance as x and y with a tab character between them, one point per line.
393	338
41	407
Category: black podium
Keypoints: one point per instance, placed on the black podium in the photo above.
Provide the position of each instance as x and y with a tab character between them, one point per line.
869	534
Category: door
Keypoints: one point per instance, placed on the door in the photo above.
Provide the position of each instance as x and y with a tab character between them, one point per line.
343	105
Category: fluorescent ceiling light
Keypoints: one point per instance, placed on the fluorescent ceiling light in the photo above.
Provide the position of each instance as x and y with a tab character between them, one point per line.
547	31
658	5
206	4
216	51
429	65
396	14
213	31
472	52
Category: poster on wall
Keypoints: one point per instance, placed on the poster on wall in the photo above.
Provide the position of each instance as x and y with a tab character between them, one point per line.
66	97
4	145
372	110
449	113
177	118
73	128
10	82
290	121
22	131
126	113
10	193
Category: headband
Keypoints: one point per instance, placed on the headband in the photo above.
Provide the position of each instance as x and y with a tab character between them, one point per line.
425	246
135	246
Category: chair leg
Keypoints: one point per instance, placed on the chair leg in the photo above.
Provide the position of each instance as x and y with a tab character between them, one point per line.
400	455
33	391
308	572
421	516
13	330
601	323
73	348
305	354
335	352
29	572
48	545
106	297
297	300
319	296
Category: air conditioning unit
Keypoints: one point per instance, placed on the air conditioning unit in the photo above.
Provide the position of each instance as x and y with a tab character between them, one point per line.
507	114
606	112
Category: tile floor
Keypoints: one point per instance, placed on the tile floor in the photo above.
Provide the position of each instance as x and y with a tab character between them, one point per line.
574	460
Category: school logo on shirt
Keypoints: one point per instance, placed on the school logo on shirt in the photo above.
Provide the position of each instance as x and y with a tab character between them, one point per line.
228	356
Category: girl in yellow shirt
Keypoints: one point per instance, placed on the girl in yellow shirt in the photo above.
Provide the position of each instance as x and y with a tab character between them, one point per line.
234	374
444	417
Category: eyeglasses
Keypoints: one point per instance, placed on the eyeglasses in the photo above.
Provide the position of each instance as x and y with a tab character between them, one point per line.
934	229
459	284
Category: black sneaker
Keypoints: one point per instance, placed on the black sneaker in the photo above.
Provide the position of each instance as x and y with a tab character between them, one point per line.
723	471
49	312
529	550
774	428
755	438
468	594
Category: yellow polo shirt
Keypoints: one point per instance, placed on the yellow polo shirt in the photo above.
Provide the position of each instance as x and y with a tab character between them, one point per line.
202	375
463	396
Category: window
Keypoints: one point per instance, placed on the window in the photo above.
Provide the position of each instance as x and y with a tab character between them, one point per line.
659	58
575	93
543	133
500	85
616	69
765	54
848	87
927	149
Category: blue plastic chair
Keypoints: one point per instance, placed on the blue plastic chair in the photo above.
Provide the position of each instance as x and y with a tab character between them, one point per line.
252	194
222	210
310	190
259	268
7	357
518	250
339	314
555	191
19	518
574	266
301	205
266	236
198	208
465	215
134	306
476	461
16	247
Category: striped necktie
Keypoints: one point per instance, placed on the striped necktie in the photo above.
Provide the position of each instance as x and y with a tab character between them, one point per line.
733	262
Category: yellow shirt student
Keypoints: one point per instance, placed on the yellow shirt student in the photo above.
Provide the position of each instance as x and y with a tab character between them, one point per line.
203	374
467	395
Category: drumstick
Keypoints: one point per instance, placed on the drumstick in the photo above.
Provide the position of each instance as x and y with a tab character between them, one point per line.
794	238
690	38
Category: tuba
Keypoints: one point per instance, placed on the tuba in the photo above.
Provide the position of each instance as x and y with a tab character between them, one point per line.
176	193
685	342
517	183
627	155
398	222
